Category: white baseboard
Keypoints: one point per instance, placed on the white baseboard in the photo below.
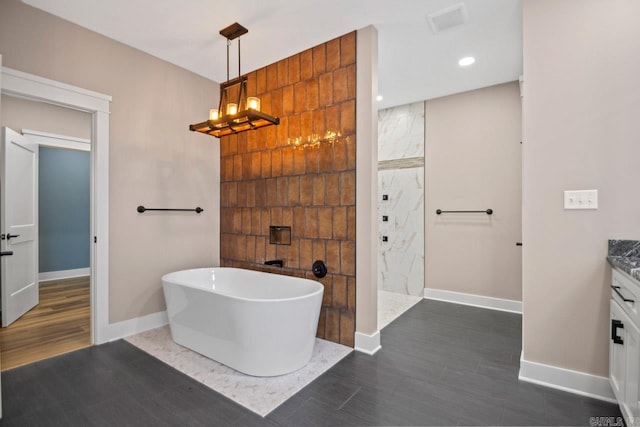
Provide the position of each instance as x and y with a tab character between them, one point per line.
508	305
135	326
567	380
369	344
63	274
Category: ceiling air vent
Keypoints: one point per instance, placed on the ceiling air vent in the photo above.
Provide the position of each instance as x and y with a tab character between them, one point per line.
447	18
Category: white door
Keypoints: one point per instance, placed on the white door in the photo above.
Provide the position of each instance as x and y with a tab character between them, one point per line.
19	228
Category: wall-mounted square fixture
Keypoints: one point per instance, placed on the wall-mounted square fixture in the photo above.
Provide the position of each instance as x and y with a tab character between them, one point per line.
279	235
385	197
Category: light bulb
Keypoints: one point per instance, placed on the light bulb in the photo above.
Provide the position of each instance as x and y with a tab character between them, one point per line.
213	114
232	108
253	103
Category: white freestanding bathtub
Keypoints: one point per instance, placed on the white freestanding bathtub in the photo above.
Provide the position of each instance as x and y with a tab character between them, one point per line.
257	323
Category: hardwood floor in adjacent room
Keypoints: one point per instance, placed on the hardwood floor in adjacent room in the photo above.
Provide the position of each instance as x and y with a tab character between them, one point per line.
60	323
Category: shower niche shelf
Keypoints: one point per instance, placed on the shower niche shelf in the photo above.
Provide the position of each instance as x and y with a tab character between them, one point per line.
279	235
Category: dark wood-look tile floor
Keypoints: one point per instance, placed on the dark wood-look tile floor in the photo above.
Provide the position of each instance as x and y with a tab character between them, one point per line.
441	364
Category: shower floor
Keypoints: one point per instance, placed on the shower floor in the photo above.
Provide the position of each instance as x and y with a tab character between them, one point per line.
391	305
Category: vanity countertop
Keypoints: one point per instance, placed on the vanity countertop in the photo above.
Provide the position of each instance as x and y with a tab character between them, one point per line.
625	255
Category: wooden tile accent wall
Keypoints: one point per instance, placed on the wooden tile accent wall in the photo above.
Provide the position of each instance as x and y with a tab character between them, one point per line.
299	174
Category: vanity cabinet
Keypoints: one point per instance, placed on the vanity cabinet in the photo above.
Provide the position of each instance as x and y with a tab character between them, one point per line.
624	344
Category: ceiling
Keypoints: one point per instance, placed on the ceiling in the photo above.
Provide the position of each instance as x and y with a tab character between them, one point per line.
414	62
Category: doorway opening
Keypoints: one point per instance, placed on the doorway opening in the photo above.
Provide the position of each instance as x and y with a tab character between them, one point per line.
31	87
401	196
60	321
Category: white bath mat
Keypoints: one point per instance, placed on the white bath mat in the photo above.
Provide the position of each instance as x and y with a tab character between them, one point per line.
260	395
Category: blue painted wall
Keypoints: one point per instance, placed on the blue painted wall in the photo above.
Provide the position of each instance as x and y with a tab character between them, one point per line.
63	209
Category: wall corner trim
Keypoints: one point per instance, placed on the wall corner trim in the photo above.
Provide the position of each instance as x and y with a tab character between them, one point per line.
136	325
366	241
369	344
490	303
566	380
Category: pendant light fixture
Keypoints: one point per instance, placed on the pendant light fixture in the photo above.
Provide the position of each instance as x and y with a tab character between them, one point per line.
239	114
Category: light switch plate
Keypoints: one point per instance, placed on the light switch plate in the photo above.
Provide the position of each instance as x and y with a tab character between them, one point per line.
581	199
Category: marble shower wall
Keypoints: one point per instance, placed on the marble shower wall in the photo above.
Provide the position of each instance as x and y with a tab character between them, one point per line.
401	178
401	132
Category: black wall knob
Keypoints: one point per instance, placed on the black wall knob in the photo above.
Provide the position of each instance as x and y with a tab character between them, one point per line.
319	269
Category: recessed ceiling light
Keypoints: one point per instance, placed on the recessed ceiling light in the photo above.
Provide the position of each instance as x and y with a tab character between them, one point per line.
466	61
379	98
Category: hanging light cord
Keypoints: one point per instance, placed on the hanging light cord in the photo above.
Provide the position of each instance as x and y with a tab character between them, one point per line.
228	44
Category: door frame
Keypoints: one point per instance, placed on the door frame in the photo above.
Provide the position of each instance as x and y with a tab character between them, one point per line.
36	88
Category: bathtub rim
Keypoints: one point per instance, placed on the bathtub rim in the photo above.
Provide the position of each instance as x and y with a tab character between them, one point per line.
320	289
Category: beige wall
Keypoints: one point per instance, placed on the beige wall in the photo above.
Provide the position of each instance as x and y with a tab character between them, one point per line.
581	114
366	185
154	159
473	162
19	114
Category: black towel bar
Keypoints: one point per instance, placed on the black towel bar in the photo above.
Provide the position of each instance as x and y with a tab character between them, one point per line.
488	211
142	209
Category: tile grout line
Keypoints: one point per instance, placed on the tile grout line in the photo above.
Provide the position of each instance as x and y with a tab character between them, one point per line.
350	397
